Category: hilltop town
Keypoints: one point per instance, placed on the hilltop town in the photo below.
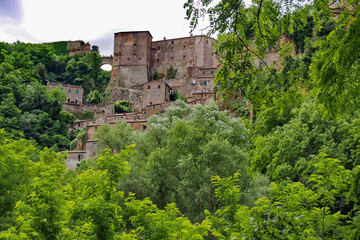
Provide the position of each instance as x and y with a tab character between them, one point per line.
136	61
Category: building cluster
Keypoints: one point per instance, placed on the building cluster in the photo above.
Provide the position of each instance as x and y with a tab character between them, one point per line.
135	61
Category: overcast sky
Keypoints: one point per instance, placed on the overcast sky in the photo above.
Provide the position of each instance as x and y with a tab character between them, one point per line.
39	21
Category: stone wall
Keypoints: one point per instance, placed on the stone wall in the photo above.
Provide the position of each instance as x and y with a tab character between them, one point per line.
74	159
74	94
78	47
183	53
155	92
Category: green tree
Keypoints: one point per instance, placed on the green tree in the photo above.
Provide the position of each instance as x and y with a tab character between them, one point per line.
114	137
122	106
180	153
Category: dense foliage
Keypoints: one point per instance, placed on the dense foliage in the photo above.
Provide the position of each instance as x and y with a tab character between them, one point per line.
287	168
28	109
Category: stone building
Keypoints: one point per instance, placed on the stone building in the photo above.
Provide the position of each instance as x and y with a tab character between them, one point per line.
78	47
74	159
74	94
156	92
136	58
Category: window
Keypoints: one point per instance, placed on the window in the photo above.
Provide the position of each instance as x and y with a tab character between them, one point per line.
69	90
134	56
207	41
144	112
135	34
204	72
172	42
134	45
184	57
172	49
158	95
205	83
154	107
212	72
79	157
68	100
157	60
148	86
184	47
159	86
144	127
77	91
149	95
172	59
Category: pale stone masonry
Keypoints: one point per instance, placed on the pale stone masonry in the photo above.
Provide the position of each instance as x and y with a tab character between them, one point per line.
137	58
74	94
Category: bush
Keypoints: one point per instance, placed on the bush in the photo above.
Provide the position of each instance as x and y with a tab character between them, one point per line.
122	106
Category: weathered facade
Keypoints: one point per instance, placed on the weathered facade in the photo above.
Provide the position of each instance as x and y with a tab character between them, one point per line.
136	58
74	94
74	159
78	47
156	92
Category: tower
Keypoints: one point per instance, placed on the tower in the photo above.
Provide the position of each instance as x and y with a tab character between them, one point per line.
131	63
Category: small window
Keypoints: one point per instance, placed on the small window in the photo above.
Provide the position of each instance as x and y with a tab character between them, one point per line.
134	56
144	127
172	59
134	45
204	72
69	90
68	100
158	95
79	157
157	60
184	47
154	107
205	83
184	57
148	86
149	95
212	72
78	165
207	41
144	112
172	42
159	86
172	49
77	91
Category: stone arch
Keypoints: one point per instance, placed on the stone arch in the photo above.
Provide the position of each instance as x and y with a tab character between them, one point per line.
107	60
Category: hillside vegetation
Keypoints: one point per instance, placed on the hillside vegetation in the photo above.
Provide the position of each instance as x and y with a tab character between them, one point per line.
291	171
